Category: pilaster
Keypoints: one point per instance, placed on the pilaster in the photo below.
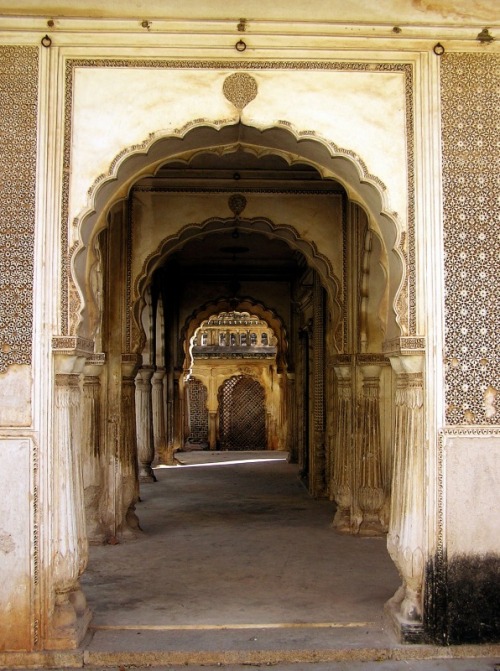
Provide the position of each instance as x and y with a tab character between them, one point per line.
406	538
144	423
343	449
371	490
69	617
92	452
317	468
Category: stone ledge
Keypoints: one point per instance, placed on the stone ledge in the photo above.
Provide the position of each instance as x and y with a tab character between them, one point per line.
50	659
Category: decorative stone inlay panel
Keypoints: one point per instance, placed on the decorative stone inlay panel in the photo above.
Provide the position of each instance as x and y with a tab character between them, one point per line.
18	144
470	121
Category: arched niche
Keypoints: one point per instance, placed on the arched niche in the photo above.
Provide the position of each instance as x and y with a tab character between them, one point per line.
244	304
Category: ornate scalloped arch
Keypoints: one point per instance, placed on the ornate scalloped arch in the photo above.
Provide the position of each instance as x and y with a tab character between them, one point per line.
138	161
243	304
260	225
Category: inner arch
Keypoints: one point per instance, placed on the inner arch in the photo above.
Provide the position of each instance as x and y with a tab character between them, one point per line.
292	148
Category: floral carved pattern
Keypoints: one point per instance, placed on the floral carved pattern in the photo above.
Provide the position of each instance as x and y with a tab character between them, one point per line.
470	121
18	145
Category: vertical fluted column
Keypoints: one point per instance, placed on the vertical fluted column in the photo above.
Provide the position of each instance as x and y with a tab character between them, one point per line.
406	528
318	461
343	450
126	475
70	548
144	423
92	450
371	487
159	428
291	407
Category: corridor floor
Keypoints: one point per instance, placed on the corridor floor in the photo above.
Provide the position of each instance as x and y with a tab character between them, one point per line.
235	539
237	565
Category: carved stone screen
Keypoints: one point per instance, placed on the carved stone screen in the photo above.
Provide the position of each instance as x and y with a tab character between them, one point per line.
470	121
242	414
198	412
18	145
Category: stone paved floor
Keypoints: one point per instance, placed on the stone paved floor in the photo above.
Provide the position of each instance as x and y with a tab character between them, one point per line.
237	543
237	563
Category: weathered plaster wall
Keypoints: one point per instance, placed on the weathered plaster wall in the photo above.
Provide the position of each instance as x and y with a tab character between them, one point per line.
18	157
16	589
395	11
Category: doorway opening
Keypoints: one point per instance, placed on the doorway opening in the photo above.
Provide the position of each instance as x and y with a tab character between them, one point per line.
230	230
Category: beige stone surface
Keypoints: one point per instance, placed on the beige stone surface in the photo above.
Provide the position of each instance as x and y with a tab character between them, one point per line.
472	494
396	11
15	545
15	396
116	108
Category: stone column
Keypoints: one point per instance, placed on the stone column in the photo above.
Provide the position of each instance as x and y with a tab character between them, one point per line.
70	617
144	423
406	527
318	460
92	449
343	450
126	475
159	428
371	491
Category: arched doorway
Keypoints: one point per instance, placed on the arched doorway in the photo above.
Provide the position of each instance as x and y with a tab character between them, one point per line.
342	274
242	414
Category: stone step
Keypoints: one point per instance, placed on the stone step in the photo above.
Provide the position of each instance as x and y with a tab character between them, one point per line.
291	644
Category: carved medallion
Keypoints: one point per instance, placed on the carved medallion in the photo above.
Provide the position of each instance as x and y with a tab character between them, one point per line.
240	89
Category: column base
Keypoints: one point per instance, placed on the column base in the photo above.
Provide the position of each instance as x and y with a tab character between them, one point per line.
405	631
342	522
70	622
147	475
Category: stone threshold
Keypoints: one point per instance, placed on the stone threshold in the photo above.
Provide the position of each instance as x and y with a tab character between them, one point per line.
223	645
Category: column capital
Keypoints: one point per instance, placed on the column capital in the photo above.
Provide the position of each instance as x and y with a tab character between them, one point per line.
407	363
130	364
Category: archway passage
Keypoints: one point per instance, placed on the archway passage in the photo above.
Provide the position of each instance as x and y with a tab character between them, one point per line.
242	414
276	240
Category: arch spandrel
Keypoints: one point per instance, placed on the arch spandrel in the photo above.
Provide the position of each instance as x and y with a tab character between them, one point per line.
144	160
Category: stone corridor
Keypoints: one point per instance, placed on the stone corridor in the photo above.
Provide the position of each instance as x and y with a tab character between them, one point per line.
235	539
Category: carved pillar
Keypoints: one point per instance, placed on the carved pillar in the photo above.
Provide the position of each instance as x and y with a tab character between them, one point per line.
126	476
159	428
318	461
70	616
371	491
144	423
92	461
343	450
291	408
406	528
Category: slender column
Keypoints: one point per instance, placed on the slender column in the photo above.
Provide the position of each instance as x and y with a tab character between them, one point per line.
91	450
371	490
343	450
159	428
144	423
126	476
318	461
291	410
70	616
212	429
406	528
